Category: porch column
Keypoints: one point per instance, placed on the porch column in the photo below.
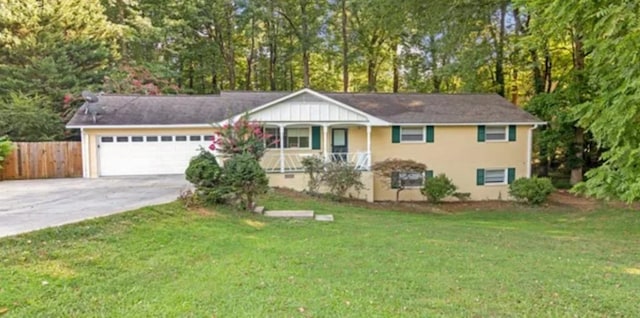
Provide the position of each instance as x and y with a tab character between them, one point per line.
368	147
325	142
282	164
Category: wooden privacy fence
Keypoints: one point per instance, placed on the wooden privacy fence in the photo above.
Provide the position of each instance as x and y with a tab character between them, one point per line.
38	160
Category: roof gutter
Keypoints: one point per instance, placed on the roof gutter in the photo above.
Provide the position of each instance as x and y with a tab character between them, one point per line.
138	126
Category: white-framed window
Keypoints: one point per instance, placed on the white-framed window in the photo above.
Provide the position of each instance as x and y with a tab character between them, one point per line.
496	133
297	137
293	137
412	134
495	176
406	179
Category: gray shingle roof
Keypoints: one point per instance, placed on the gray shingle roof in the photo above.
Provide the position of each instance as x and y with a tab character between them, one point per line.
436	108
394	108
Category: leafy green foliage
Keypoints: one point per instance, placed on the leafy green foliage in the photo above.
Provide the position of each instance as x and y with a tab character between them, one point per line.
314	167
240	137
532	190
29	118
6	148
52	48
438	188
612	115
246	178
340	177
206	176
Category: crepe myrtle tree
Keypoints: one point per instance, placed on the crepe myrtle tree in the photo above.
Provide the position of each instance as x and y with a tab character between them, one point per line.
243	143
391	169
240	137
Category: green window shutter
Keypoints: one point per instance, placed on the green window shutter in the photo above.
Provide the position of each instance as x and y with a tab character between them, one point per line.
428	174
512	132
315	137
481	130
480	177
430	134
395	134
511	175
395	180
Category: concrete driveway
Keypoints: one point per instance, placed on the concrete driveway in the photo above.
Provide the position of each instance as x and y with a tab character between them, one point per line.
28	205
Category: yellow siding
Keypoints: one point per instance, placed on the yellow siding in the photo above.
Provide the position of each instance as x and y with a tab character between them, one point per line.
457	153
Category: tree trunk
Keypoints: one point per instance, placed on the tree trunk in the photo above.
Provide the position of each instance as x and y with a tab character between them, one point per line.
305	43
273	47
499	71
578	64
305	68
345	49
576	171
548	68
396	68
371	75
251	57
538	78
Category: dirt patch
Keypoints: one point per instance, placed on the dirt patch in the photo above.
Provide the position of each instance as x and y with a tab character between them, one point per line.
202	211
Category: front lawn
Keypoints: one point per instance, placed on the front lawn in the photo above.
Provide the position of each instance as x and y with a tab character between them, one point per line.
167	261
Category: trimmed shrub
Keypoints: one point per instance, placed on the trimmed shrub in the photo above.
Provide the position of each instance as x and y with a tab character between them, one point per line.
206	176
314	167
531	190
203	170
340	177
438	188
246	178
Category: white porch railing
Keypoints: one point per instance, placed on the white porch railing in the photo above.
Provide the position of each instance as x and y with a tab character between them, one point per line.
273	162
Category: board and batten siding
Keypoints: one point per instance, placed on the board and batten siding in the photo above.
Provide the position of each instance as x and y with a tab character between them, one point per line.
307	110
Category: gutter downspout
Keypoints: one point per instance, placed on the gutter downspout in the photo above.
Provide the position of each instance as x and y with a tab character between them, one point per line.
530	149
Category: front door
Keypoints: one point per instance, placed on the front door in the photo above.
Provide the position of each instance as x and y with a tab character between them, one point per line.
339	144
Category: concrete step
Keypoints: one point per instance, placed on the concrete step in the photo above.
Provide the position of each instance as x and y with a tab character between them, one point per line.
258	209
324	217
302	214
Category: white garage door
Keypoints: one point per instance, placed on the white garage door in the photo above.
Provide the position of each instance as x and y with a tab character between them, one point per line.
148	154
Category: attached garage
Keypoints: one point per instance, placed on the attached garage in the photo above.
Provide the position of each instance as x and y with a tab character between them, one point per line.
119	155
154	135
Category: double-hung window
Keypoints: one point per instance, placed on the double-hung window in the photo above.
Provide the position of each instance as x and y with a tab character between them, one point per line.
296	137
495	176
293	137
412	134
496	133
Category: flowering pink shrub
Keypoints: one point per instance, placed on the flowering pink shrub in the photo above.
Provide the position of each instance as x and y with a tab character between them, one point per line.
241	136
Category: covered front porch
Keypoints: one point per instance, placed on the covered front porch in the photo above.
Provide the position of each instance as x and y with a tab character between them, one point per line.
290	143
306	124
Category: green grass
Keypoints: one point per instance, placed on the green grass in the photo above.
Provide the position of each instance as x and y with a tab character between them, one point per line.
166	261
